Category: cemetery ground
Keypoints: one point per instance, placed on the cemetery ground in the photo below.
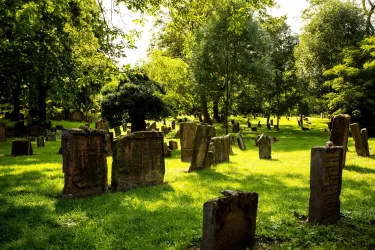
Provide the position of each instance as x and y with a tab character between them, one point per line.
169	216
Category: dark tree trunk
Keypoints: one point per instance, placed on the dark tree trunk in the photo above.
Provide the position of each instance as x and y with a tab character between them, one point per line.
206	115
278	121
216	110
16	101
268	118
42	97
138	124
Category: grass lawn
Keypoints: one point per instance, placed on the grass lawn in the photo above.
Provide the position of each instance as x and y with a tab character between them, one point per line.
169	216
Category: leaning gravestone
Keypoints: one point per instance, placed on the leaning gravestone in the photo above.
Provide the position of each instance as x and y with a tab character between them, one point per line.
117	131
325	184
3	132
84	162
77	116
222	148
36	131
138	161
360	142
264	144
152	127
187	135
364	136
21	148
40	141
229	222
236	127
173	124
240	141
99	124
167	151
202	158
340	133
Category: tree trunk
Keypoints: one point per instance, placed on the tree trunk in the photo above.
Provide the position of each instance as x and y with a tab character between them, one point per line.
42	97
278	121
226	108
216	110
138	124
206	115
16	101
268	118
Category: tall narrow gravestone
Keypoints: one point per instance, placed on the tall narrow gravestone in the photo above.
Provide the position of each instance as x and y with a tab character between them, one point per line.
325	184
229	222
40	141
117	131
240	141
173	124
138	161
360	141
84	162
3	132
99	124
187	135
202	158
364	136
340	133
222	147
264	144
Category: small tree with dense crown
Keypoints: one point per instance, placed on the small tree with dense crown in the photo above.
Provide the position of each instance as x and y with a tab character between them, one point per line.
135	97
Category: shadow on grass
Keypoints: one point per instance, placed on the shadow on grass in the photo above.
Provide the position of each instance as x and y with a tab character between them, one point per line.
359	169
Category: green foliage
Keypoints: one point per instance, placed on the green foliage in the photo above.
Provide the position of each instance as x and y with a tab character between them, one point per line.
136	97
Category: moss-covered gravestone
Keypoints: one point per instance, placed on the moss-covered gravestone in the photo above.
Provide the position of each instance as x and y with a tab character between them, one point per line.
361	143
138	161
222	148
84	162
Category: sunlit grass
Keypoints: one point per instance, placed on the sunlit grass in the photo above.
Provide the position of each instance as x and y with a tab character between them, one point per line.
169	216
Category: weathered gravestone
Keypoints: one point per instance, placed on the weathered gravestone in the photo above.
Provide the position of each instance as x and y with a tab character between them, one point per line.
264	144
84	162
361	144
51	137
124	127
40	141
340	133
167	151
77	116
202	158
36	130
3	132
325	184
240	141
21	148
236	127
173	124
117	131
109	143
173	145
222	148
178	134
138	161
364	136
152	127
165	130
229	222
187	135
99	124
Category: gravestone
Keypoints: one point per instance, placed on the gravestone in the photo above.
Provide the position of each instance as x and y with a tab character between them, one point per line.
124	127
202	158
364	136
271	122
138	161
40	141
20	148
249	124
233	123
164	123
60	116
109	143
340	133
325	184
117	131
178	134
3	132
268	126
51	137
236	127
187	135
36	130
30	138
152	127
77	116
173	124
229	222
254	129
264	145
301	120
360	142
240	141
173	145
84	162
99	124
167	151
259	126
88	125
221	148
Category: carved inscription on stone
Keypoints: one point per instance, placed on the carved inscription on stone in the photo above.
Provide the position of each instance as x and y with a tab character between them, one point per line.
138	161
325	184
84	162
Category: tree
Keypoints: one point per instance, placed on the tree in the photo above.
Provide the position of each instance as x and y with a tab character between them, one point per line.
135	97
331	26
232	50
